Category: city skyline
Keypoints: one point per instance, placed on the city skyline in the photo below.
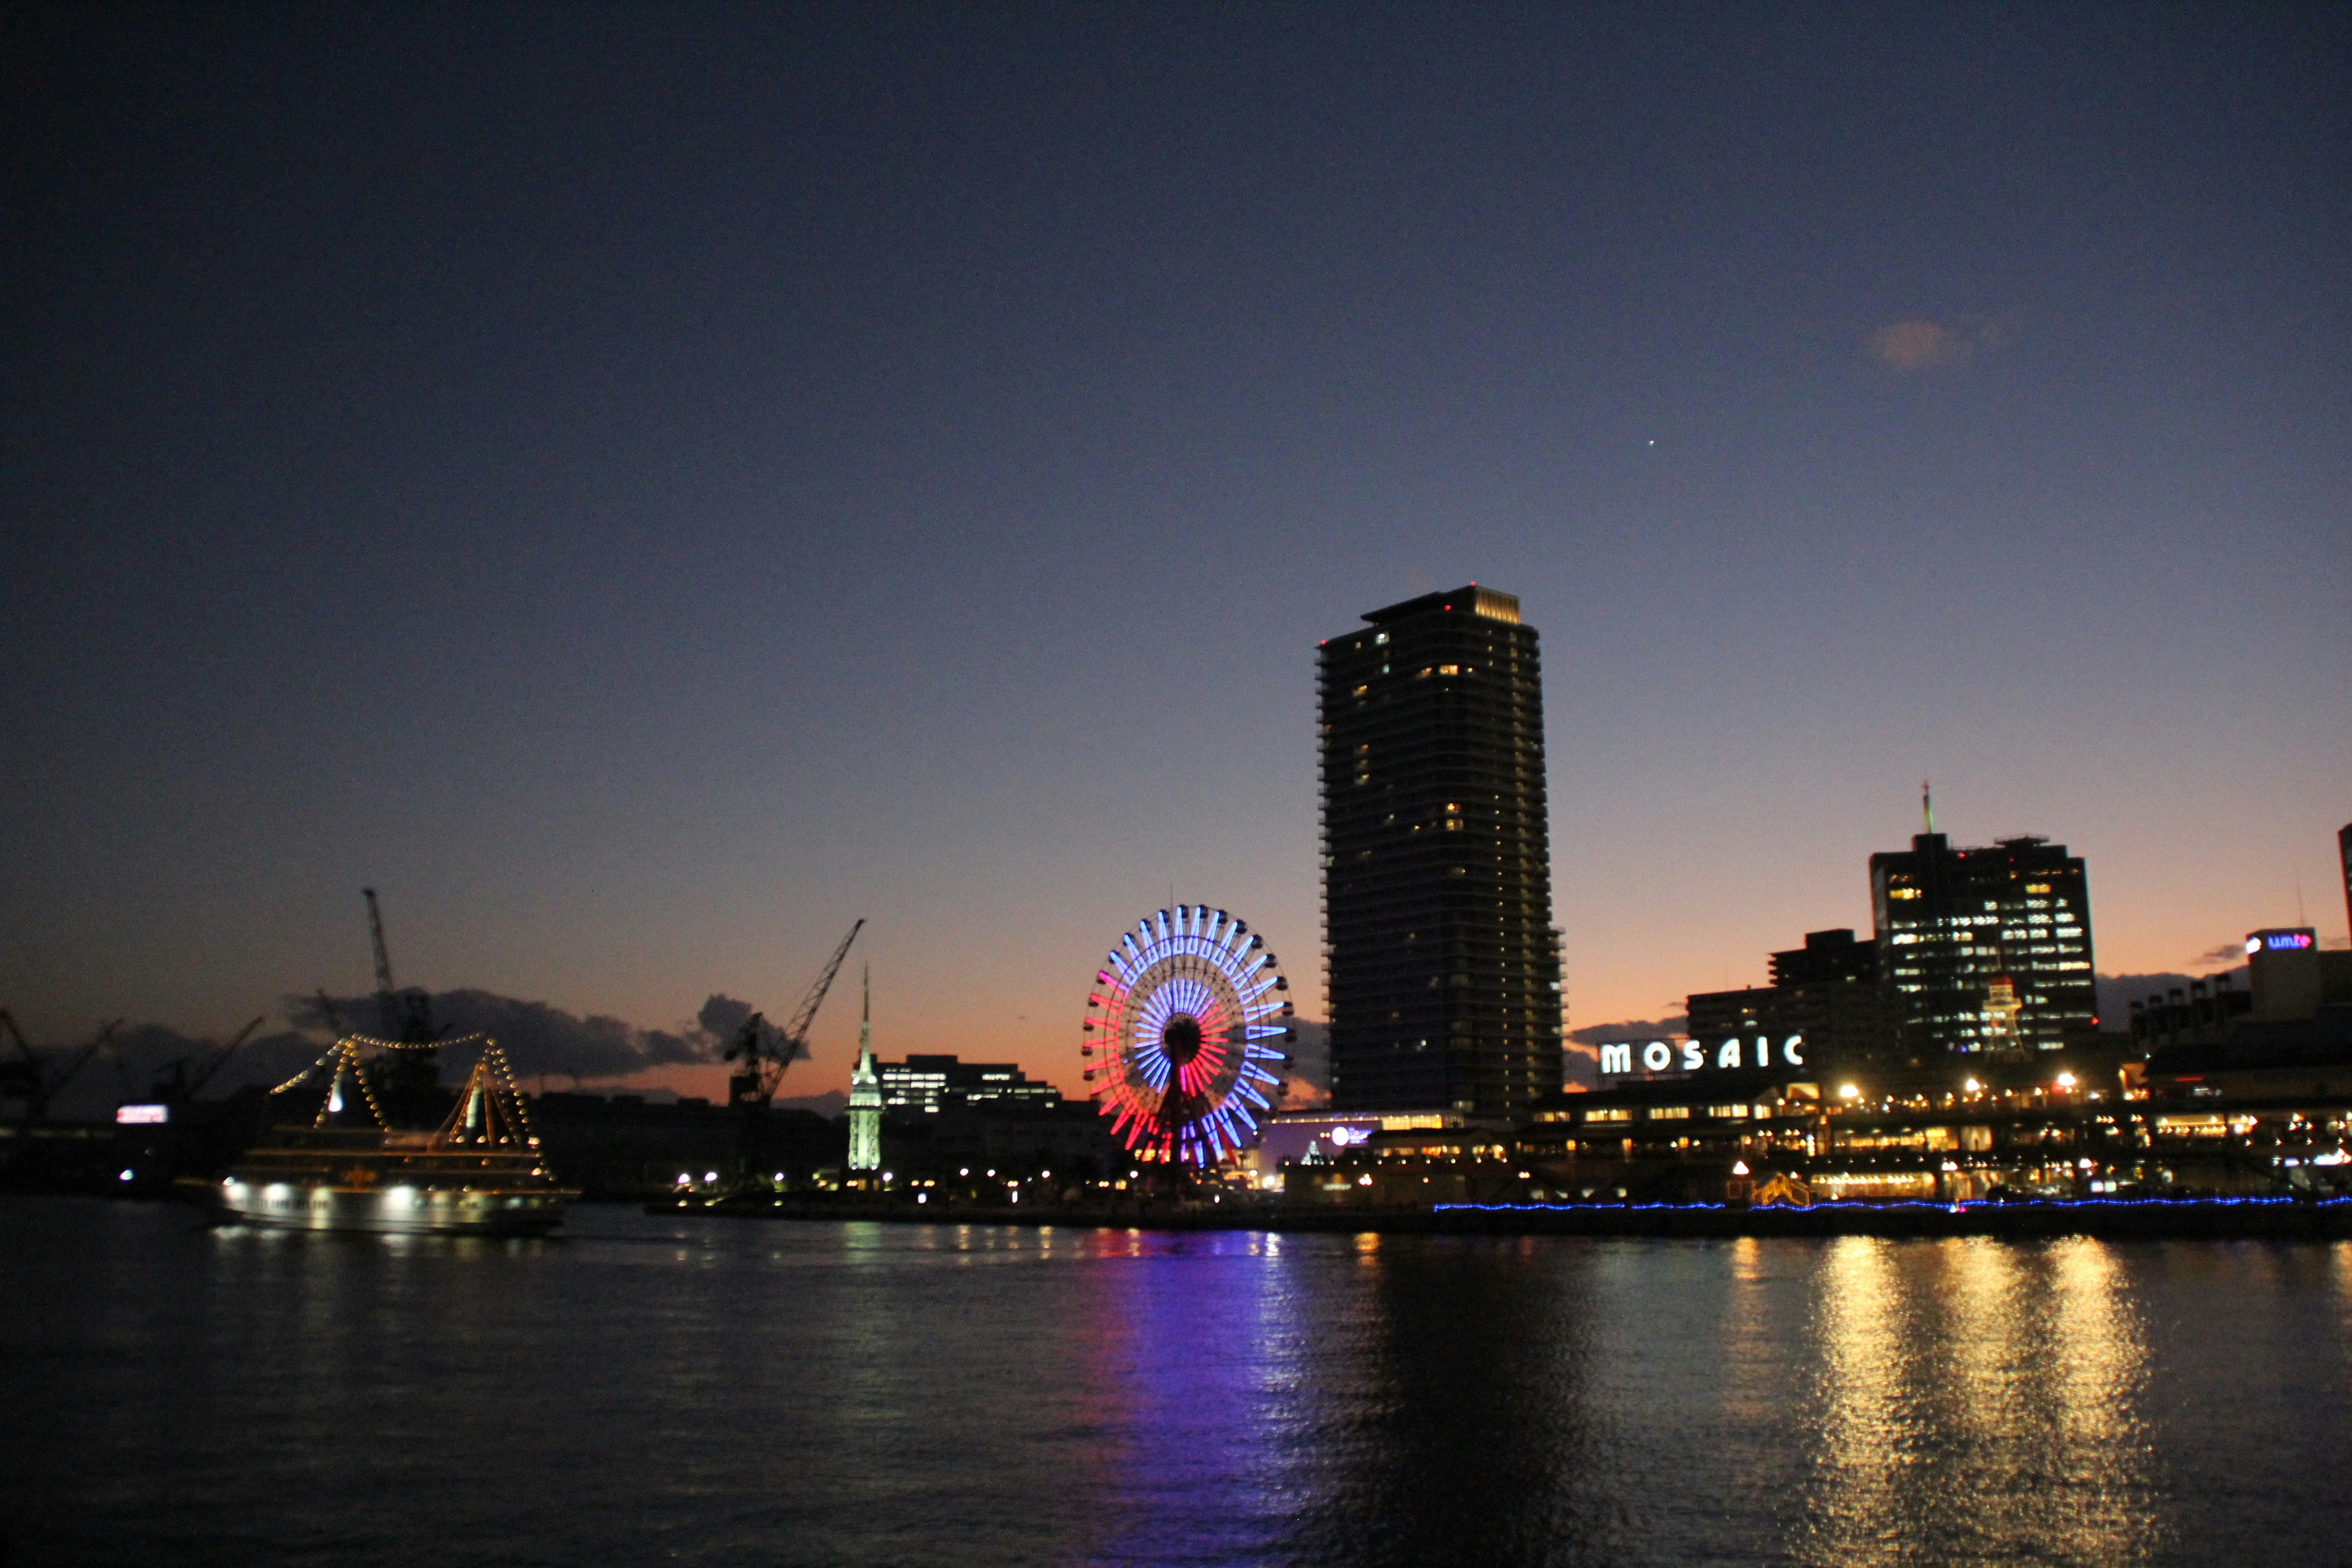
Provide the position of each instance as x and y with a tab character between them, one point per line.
647	491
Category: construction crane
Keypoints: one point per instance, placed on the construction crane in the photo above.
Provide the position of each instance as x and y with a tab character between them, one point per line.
410	1076
27	1080
176	1083
20	1076
407	1019
762	1053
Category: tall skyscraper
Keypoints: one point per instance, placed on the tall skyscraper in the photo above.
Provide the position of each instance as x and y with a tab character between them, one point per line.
1954	924
866	1093
1444	965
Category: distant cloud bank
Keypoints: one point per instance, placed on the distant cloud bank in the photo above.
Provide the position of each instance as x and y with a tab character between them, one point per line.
1605	1034
539	1038
1920	344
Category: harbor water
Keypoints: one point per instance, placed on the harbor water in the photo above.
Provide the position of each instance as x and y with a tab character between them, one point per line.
706	1391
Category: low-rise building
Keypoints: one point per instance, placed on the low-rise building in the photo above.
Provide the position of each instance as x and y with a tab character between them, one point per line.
932	1083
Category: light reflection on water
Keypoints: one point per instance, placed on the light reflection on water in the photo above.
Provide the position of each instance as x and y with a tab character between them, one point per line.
709	1392
1982	1396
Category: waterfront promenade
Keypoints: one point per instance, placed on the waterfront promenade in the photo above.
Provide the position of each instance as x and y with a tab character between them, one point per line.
2150	1218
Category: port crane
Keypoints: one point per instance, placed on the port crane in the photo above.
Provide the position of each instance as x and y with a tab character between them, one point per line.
762	1053
176	1082
24	1076
406	1017
409	1078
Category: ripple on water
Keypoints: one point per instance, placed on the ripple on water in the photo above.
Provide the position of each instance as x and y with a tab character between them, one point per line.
713	1392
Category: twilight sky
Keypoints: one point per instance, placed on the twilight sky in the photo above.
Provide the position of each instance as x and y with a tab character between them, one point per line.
643	487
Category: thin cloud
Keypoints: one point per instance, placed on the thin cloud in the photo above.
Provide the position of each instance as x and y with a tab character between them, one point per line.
1609	1034
723	1018
1308	1080
1909	346
1915	345
538	1038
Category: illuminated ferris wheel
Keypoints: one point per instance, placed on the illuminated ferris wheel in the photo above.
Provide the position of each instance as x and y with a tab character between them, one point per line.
1181	1027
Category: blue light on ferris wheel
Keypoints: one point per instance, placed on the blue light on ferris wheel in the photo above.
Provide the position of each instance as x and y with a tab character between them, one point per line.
1191	973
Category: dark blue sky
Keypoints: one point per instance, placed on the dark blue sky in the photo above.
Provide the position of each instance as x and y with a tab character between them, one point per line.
643	487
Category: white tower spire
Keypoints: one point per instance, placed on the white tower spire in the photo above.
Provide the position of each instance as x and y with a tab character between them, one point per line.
866	1090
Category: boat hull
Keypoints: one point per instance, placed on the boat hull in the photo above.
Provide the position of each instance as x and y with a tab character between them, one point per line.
391	1211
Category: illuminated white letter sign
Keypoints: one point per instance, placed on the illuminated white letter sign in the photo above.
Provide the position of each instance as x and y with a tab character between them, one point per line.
1691	1056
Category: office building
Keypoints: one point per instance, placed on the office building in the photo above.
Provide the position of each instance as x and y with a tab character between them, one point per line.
1825	991
1957	926
928	1084
2292	977
1828	958
1444	965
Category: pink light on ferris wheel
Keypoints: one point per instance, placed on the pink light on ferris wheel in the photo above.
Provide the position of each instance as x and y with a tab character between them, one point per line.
1180	1033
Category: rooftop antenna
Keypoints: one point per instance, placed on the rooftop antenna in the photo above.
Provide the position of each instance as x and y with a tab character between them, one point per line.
1927	806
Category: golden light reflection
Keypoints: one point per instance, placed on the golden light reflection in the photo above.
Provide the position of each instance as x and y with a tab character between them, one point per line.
1981	1393
1754	1372
1860	1432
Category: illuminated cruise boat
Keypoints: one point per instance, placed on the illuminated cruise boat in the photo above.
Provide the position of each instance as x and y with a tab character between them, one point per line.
480	1173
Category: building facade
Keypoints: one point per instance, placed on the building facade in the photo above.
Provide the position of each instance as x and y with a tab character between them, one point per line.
1830	994
932	1083
1443	966
1983	949
2344	852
